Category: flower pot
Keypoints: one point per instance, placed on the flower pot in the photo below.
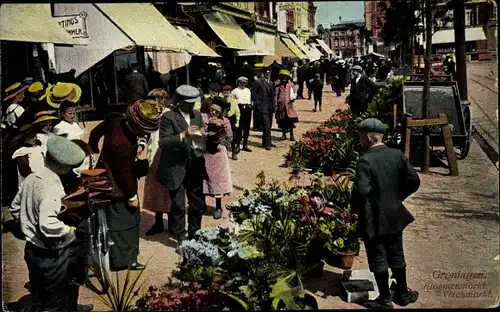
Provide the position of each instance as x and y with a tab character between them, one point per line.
346	259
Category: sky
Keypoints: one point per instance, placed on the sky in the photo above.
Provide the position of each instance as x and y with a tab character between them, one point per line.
329	11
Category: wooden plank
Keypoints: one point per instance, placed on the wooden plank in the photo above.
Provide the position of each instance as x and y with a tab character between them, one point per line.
427	122
407	142
448	144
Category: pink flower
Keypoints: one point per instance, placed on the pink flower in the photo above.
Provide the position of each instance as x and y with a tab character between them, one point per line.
328	211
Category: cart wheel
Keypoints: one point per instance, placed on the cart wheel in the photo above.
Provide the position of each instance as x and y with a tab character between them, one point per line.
464	150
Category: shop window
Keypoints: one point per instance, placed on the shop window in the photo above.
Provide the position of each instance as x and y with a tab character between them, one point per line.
471	47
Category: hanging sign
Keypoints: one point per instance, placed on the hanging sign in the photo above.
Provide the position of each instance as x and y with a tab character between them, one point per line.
75	25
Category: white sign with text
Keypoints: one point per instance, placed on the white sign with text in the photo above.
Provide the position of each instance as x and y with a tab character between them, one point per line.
76	26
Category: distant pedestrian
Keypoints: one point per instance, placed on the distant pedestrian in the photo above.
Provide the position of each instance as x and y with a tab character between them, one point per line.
384	179
317	86
284	96
135	86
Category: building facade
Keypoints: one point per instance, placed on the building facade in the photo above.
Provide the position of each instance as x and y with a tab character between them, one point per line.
345	39
300	18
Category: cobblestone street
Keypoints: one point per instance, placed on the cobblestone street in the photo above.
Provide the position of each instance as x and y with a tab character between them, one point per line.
456	229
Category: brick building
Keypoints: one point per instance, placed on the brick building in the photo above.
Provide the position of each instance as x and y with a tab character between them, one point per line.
345	39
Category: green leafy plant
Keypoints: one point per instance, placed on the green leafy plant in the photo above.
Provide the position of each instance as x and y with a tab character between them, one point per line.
119	297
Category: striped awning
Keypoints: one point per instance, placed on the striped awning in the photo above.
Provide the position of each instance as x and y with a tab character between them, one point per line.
306	50
294	48
31	23
146	26
228	30
324	46
201	49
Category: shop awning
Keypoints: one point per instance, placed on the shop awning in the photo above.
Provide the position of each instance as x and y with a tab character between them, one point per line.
324	46
145	26
294	48
228	30
310	55
281	50
314	50
264	42
31	23
201	48
448	35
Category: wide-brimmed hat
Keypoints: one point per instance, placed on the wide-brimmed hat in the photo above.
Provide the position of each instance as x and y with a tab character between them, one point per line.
39	122
64	92
143	117
39	90
12	91
285	72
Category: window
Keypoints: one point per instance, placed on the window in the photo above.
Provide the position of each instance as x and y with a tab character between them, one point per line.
468	17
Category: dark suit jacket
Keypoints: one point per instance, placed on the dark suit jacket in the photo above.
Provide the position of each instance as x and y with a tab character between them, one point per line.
263	96
384	179
135	87
177	158
360	93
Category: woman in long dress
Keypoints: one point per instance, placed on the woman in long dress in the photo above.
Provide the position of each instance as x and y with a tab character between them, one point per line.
219	135
156	196
286	116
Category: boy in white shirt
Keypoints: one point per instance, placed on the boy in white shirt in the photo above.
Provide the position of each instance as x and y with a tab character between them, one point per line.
243	97
68	127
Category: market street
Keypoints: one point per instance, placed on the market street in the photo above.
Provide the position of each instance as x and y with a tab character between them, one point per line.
483	96
456	230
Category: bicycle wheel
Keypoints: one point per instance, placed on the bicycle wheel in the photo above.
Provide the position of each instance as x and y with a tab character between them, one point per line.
99	254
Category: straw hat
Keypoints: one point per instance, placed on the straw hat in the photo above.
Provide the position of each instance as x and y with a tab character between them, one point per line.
39	90
64	92
12	91
143	117
35	126
285	72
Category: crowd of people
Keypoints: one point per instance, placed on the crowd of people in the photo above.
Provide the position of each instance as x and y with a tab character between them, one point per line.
180	140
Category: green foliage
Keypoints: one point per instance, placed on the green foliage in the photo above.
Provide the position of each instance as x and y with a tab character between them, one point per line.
400	22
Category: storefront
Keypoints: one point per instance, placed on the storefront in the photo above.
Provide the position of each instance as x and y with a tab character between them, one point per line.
116	36
476	46
307	50
24	30
296	50
282	54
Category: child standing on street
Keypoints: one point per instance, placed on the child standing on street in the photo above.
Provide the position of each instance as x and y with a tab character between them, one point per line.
317	86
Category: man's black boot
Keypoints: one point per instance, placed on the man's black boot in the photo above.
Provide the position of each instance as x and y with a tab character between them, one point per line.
384	300
403	295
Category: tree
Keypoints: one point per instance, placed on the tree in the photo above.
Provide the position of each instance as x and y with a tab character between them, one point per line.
400	22
320	30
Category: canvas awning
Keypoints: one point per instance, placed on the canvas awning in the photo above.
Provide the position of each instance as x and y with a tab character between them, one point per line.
448	35
228	30
310	55
325	47
294	48
315	50
264	42
201	48
145	26
281	51
31	23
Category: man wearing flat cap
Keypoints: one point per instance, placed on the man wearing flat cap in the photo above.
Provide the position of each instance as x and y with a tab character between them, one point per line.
361	89
119	158
384	179
182	166
263	99
49	242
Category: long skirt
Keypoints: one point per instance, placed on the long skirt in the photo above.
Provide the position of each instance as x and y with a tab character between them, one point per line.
124	230
219	181
49	277
156	196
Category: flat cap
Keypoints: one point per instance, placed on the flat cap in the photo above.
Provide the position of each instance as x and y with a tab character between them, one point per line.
187	93
64	152
371	125
242	79
357	67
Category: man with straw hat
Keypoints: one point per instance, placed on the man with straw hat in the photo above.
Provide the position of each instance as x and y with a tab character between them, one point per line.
48	240
286	116
119	158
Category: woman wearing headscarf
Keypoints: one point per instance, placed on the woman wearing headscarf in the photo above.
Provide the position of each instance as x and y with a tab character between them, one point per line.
218	131
119	158
156	196
286	116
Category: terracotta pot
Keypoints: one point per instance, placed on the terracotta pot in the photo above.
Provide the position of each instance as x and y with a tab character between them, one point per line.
346	259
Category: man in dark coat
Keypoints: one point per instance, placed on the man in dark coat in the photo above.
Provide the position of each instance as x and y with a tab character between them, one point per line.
263	101
384	179
312	70
182	166
135	86
247	71
275	68
361	89
301	77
